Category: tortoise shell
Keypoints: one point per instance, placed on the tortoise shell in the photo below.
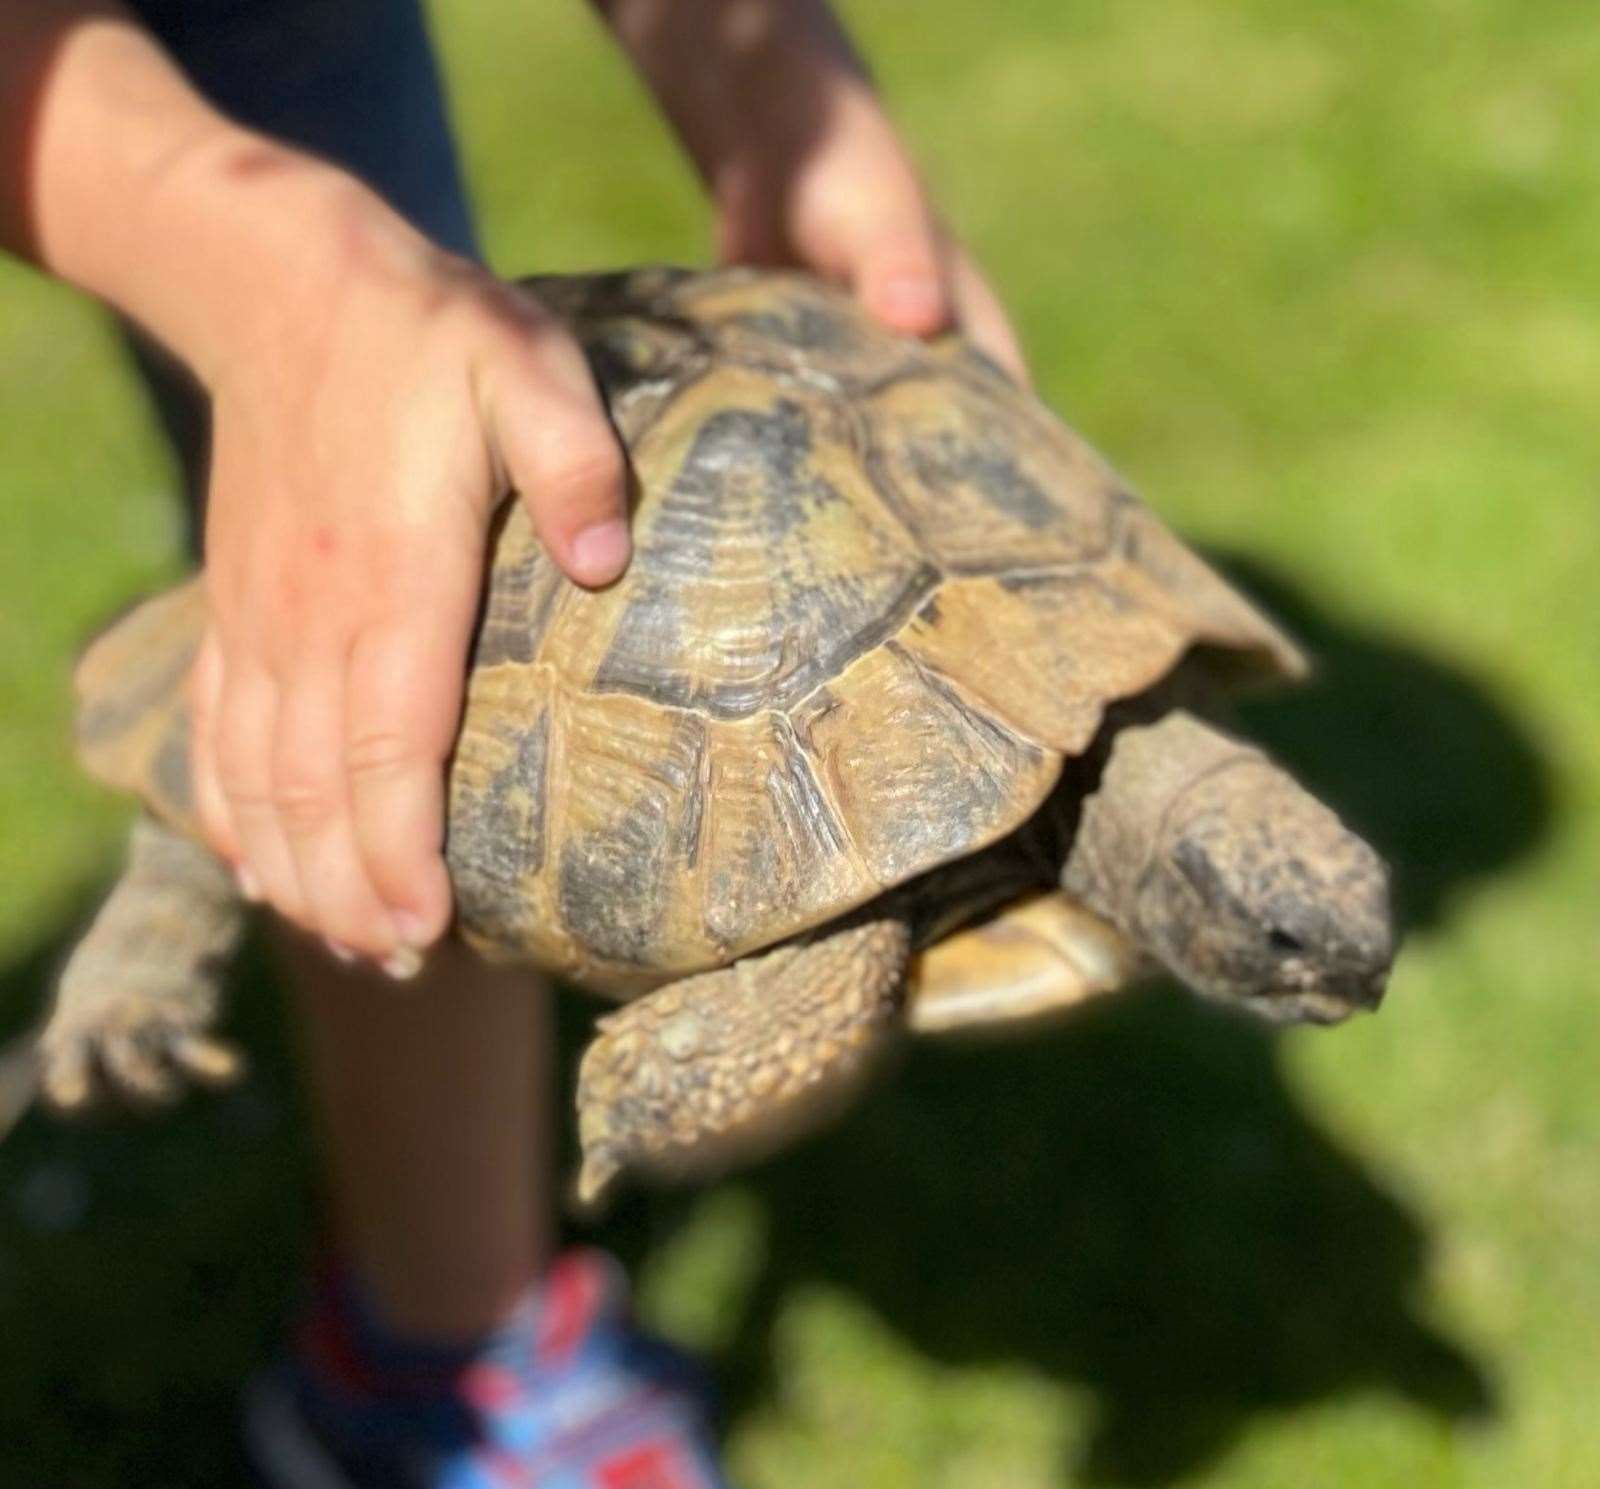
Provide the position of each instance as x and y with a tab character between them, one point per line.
879	594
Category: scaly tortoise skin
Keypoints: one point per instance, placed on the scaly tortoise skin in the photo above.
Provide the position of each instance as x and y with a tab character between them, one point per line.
890	720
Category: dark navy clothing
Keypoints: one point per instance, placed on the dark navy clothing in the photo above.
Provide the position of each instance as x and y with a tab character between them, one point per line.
354	81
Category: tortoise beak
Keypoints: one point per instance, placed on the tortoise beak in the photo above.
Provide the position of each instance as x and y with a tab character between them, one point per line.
1331	1003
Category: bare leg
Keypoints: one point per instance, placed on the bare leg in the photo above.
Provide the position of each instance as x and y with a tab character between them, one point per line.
437	1109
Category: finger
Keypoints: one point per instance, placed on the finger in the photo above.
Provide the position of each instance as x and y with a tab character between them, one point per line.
550	431
205	697
313	808
881	239
246	722
896	273
402	709
983	320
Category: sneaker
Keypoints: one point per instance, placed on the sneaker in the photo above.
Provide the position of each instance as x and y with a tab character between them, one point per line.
567	1394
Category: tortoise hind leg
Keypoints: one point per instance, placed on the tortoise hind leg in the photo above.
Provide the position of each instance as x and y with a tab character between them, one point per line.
1037	958
140	992
726	1064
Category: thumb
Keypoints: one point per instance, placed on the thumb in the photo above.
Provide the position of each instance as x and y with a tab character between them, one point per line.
897	272
562	457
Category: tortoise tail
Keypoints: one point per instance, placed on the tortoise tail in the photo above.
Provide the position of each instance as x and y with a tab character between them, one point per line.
133	718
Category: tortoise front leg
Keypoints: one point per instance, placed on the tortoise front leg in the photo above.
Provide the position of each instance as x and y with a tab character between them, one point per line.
1037	958
726	1064
138	999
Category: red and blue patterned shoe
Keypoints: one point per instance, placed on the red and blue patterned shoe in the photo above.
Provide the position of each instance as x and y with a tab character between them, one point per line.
568	1394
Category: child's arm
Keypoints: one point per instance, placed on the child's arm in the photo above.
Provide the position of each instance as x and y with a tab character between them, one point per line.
794	145
372	397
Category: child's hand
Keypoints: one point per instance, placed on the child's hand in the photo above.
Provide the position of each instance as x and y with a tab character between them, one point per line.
853	209
373	399
366	421
802	161
843	198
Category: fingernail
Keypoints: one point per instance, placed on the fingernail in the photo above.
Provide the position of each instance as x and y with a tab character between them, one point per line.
403	963
339	951
600	553
911	303
249	887
410	928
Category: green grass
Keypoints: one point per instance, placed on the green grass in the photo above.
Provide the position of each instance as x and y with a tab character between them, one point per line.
1323	279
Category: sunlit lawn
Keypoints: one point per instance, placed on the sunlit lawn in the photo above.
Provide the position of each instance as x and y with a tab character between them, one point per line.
1325	281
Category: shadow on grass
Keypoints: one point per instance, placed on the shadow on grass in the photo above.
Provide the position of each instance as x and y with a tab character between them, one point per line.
145	1266
1135	1203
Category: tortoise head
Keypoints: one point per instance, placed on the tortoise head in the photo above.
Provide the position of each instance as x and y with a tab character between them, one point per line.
1260	896
1216	862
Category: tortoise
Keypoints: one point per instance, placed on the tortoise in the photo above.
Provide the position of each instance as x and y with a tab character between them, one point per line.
898	719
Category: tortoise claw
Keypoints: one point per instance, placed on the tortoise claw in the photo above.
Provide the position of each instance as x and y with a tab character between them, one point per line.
211	1062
